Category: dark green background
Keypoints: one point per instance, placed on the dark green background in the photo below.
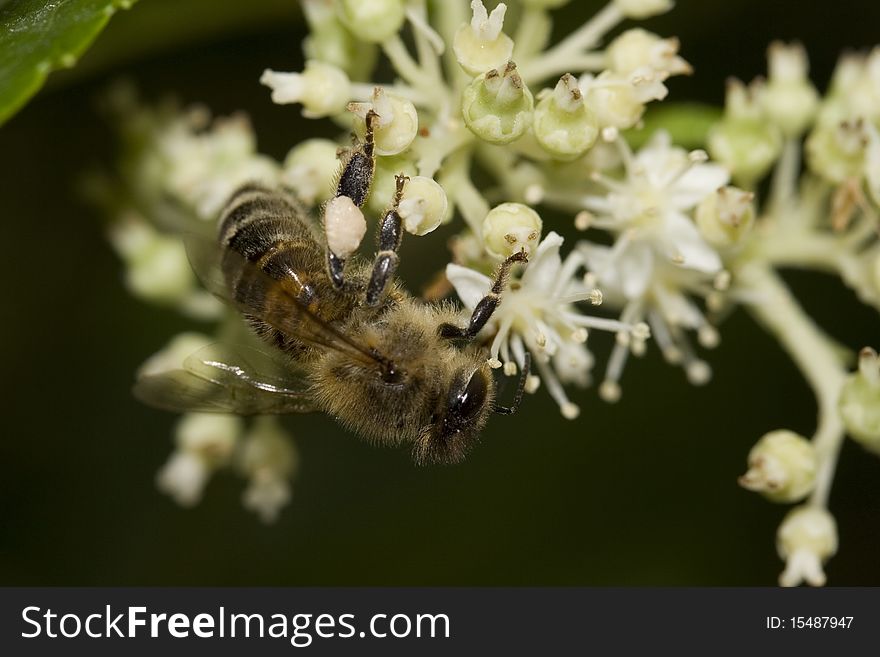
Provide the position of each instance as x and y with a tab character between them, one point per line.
640	493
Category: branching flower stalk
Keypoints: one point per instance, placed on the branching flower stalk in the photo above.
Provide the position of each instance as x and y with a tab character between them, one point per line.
668	240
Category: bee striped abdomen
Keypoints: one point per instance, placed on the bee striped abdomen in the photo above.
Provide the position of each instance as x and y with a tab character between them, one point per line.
268	230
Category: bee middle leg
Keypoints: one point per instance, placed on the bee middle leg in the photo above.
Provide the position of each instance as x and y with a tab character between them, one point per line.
389	238
487	305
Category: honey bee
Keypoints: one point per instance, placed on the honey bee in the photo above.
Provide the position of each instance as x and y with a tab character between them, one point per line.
346	339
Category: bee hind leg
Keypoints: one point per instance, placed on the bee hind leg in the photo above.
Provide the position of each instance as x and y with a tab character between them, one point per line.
487	305
389	237
355	180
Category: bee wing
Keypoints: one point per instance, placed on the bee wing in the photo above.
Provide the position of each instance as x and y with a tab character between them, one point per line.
224	379
290	317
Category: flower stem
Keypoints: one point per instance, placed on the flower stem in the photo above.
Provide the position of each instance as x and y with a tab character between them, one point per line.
531	32
815	355
586	36
785	176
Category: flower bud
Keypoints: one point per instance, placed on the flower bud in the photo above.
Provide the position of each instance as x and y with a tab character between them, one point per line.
423	205
268	458
310	169
205	441
161	272
743	140
323	89
619	101
172	355
510	227
788	99
563	125
497	106
481	45
372	20
837	151
643	8
726	217
859	403
639	48
211	435
782	467
805	540
344	225
397	124
384	184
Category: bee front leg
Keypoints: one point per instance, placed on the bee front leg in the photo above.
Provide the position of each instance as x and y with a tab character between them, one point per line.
487	305
354	183
390	235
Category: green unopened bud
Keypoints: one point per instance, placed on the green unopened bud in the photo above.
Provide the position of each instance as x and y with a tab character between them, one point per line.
372	20
782	467
805	540
384	184
497	106
836	151
510	227
310	169
423	205
860	401
643	8
563	125
323	89
743	140
397	124
789	99
726	216
481	45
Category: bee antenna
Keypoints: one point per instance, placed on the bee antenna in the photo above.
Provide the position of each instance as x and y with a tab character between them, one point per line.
520	389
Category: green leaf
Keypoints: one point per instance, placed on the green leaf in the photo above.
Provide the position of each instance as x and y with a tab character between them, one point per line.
39	36
687	123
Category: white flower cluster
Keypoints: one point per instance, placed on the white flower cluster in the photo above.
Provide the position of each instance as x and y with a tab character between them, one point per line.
208	442
668	241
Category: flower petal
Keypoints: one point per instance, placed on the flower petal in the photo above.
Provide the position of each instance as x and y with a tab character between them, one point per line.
696	184
635	267
683	240
470	285
543	268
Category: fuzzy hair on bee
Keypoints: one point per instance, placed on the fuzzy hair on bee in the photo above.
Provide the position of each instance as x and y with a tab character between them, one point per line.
343	337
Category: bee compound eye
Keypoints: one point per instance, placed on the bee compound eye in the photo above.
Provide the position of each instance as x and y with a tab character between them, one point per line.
467	401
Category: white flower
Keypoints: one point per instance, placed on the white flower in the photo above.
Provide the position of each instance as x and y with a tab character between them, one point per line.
659	257
481	45
266	495
269	459
397	121
205	442
537	314
202	167
805	540
637	48
183	477
323	89
619	100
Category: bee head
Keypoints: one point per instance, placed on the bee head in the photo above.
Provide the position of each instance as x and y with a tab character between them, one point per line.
460	416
